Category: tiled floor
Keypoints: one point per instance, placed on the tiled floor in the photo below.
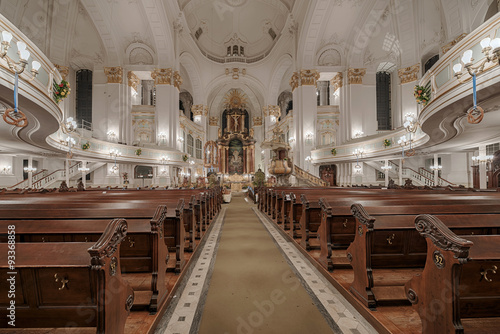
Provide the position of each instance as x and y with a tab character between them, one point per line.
328	299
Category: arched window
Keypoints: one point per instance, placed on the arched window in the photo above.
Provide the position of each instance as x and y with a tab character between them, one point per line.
429	63
190	144
384	101
198	149
84	96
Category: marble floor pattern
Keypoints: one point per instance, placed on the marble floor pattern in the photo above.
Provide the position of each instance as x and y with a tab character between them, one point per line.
184	313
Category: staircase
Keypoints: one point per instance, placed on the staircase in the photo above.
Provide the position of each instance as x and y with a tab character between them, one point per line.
308	178
422	178
45	180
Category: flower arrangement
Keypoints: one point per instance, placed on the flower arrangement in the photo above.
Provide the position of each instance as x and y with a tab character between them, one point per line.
138	152
125	177
422	93
387	142
86	146
334	151
185	157
61	90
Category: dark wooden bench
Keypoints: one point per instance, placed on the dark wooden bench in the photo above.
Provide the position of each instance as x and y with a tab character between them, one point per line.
460	280
386	239
143	250
68	284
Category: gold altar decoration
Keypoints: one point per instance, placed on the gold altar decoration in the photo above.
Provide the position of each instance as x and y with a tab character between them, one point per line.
235	100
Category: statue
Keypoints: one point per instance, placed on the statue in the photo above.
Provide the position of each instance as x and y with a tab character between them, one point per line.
220	133
251	133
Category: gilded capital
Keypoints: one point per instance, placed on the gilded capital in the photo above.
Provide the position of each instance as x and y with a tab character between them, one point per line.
162	76
309	77
114	74
274	110
63	70
356	75
257	121
336	81
199	110
133	80
294	80
177	80
409	74
213	120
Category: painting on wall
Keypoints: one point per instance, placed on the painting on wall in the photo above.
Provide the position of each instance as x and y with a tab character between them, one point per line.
235	157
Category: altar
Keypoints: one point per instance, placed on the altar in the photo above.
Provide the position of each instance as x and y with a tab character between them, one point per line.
235	143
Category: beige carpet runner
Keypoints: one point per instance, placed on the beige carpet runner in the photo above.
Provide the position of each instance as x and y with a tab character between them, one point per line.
253	289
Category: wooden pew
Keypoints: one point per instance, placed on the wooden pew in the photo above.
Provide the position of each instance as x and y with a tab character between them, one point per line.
460	280
174	230
386	239
143	250
68	284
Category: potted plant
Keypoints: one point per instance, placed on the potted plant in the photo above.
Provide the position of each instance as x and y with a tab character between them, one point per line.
387	142
334	151
422	93
86	146
138	152
61	90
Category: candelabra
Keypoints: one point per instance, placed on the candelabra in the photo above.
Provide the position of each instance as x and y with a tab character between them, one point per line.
358	153
114	153
386	168
308	160
14	116
436	167
309	138
162	136
475	114
482	159
30	169
6	170
111	135
69	125
359	134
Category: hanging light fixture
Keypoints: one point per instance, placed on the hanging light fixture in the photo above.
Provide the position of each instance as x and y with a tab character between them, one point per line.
14	116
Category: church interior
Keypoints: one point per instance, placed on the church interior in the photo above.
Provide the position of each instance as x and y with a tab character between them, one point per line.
250	166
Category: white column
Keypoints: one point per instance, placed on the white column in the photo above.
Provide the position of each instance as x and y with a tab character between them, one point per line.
401	171
304	114
30	172
323	92
482	169
167	105
386	173
84	173
436	170
67	172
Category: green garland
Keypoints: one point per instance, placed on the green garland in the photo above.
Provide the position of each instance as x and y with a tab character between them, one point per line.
61	91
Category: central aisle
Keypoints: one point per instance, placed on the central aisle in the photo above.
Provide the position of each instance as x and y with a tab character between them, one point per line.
253	289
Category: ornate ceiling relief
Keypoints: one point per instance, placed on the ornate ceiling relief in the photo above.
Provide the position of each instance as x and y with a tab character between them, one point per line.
234	99
447	47
114	74
356	75
133	80
236	72
409	74
330	57
337	81
162	76
64	70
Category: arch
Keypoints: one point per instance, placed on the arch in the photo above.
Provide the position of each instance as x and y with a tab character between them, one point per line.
484	13
281	67
191	67
330	55
247	84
